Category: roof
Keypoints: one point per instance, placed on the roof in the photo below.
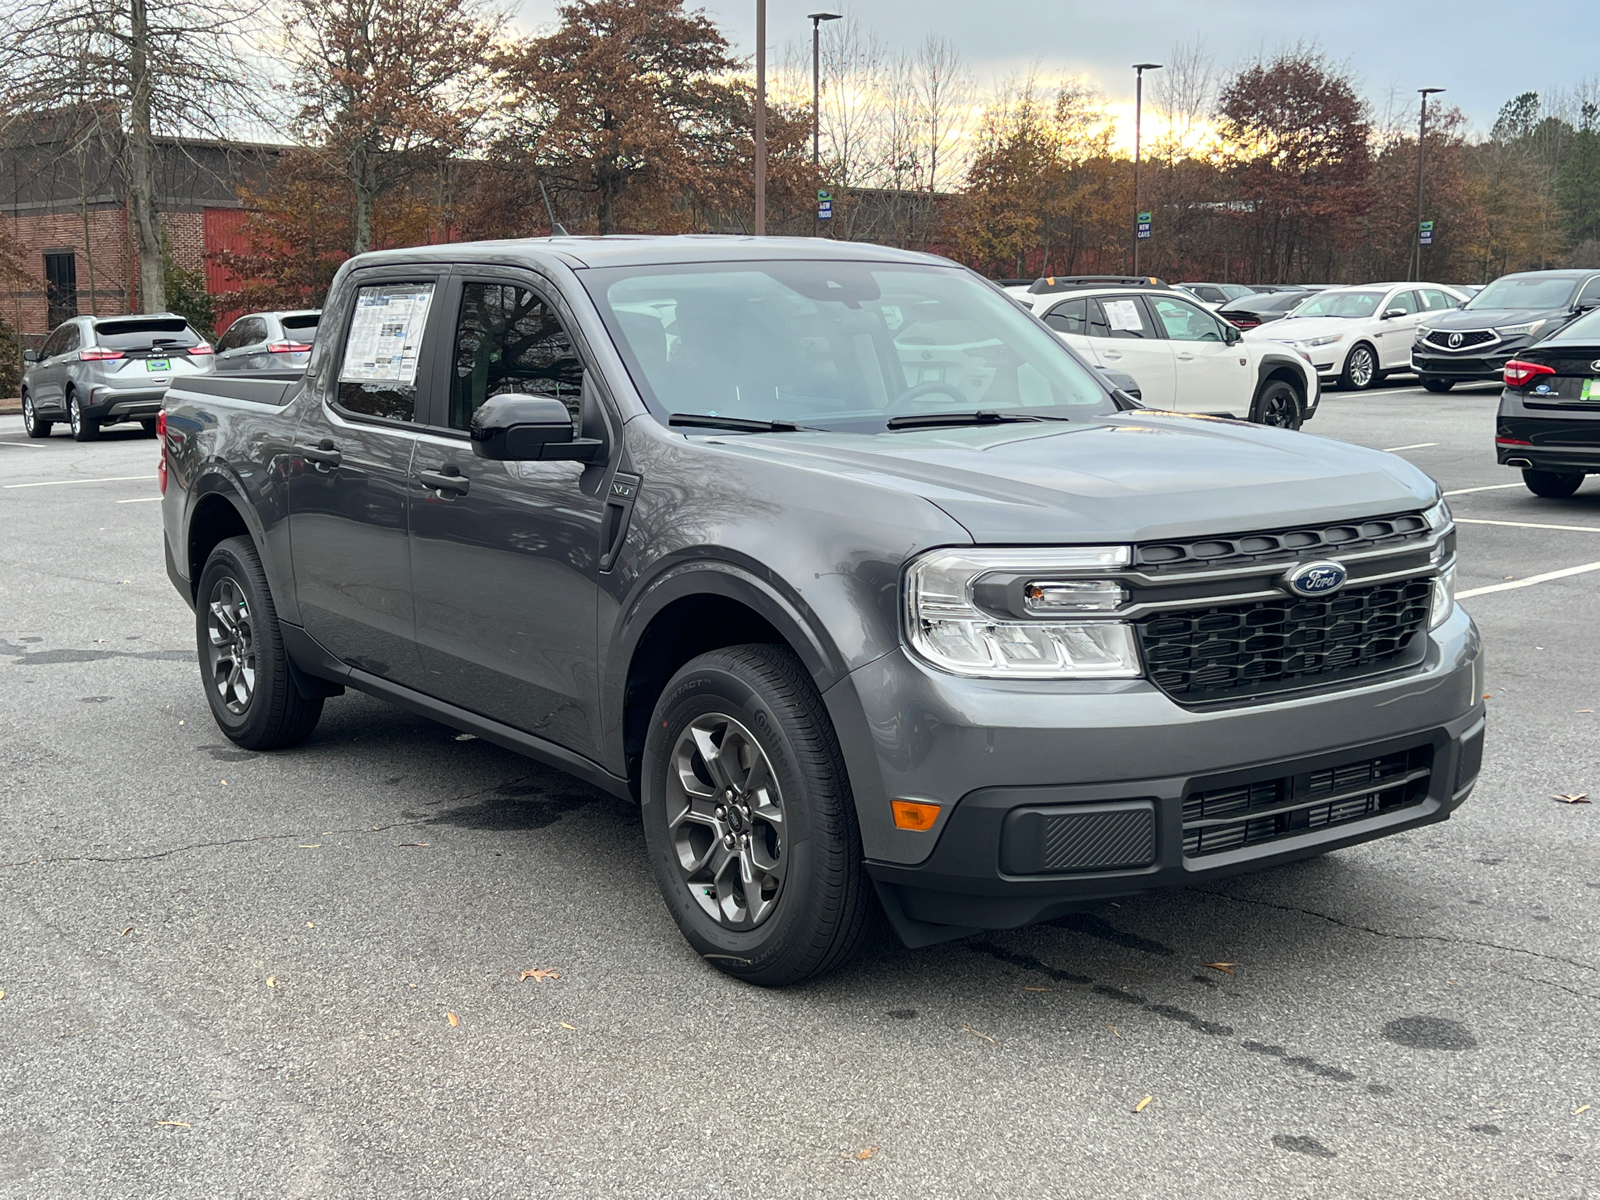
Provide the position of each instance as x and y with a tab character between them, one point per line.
629	250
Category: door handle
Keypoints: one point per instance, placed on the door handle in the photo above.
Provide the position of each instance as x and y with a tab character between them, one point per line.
1185	357
325	454
1112	353
444	481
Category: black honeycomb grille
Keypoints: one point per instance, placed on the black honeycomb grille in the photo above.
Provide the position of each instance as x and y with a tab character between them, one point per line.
1279	544
1220	653
1469	338
1246	814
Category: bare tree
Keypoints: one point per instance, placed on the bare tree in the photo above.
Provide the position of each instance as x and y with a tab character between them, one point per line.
151	68
1185	93
944	106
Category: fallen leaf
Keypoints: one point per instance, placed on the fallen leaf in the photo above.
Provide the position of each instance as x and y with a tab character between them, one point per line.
272	981
1113	1029
862	1154
1486	696
1586	710
1575	798
1225	968
1034	989
311	846
2	993
411	843
984	1036
1453	982
311	924
1580	1111
564	1025
126	931
453	1019
538	974
1143	1104
176	1124
224	783
466	737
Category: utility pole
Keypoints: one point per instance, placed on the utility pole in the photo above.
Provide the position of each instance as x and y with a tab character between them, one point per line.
1138	119
761	118
817	18
1422	140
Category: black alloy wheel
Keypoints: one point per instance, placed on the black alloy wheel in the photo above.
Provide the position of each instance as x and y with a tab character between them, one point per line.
1360	368
1438	385
1277	404
35	425
1552	484
84	429
749	820
248	679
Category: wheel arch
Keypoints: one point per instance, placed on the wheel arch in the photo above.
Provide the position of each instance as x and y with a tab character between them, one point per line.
217	513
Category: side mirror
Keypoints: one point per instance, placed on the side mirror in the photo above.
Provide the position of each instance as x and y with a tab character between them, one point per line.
1394	312
1588	303
514	427
1231	335
30	356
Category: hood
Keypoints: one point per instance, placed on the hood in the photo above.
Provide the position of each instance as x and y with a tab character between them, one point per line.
1489	318
1297	328
1139	476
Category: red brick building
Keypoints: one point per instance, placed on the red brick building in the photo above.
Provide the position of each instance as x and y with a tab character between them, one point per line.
63	201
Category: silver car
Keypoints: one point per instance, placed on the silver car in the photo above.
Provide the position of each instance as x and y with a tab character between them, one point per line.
95	371
268	341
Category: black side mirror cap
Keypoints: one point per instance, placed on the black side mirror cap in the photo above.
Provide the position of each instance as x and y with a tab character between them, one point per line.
514	427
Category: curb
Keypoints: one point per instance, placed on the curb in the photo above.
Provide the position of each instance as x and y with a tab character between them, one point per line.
12	407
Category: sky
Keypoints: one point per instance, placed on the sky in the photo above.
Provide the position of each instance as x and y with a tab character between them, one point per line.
1478	50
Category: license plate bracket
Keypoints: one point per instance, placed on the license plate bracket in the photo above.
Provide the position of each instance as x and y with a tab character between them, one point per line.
158	364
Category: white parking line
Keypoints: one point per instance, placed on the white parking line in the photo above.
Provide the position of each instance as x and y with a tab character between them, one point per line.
1493	487
1417	446
1527	525
1530	580
140	500
22	445
61	482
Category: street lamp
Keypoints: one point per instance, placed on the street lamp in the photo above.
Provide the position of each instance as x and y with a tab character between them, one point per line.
1138	118
816	19
1422	138
761	118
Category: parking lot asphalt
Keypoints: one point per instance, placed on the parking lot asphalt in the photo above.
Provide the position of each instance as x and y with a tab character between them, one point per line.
305	973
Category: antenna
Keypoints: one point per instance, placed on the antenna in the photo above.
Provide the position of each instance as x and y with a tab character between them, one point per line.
557	229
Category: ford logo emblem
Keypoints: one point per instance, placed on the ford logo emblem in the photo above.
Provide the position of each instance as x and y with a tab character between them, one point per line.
1315	578
1455	341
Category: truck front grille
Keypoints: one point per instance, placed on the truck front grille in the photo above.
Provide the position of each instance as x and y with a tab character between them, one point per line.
1276	545
1232	651
1246	814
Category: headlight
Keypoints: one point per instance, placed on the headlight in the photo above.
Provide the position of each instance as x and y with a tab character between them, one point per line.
1438	517
1444	596
1530	327
1021	614
1325	341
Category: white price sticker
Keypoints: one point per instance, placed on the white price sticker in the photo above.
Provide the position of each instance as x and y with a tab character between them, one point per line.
386	334
1123	314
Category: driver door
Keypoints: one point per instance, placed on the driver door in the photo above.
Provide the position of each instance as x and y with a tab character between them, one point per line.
1395	335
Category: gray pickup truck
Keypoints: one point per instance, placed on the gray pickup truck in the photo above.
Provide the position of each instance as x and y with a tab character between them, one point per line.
865	587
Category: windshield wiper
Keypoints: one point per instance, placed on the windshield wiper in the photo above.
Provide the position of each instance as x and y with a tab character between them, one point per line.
705	421
983	417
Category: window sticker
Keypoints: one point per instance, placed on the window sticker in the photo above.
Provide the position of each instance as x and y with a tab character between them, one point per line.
1123	314
386	334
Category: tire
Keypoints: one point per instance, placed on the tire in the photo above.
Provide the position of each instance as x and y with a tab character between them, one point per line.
36	426
1438	385
810	913
1277	403
1552	484
84	429
1360	368
248	680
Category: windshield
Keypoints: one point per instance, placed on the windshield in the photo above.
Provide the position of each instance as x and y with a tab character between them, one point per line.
835	345
1525	291
1340	304
145	335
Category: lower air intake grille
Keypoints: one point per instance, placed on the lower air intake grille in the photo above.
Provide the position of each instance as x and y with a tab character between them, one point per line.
1207	654
1246	814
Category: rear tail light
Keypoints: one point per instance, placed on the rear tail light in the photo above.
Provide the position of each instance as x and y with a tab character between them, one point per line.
201	348
1505	441
288	347
161	463
1519	374
98	355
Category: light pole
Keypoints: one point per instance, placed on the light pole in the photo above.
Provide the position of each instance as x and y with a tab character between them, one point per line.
1422	139
816	19
1138	118
761	118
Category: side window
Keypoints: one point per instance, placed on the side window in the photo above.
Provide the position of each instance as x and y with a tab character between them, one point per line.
1121	317
1210	295
53	343
233	339
71	338
507	339
1184	322
1590	293
1406	301
1071	316
378	374
1436	301
255	330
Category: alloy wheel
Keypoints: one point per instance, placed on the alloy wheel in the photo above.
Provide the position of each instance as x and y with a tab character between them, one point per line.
1361	367
74	416
725	817
1278	409
230	646
30	419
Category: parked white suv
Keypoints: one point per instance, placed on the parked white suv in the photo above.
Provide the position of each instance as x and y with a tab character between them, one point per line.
1184	358
1356	335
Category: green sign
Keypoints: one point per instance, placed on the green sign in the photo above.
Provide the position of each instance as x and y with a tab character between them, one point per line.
822	195
1144	218
1427	227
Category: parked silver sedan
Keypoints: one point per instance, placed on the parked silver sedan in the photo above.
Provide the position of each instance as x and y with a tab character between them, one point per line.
95	371
268	341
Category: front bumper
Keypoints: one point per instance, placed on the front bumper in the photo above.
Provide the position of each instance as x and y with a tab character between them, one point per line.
1002	758
1462	368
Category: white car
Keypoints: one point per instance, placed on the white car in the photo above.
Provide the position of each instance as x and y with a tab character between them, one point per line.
1184	358
1356	335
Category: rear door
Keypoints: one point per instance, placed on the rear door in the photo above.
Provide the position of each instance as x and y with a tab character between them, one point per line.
233	351
349	474
505	555
1125	337
1209	374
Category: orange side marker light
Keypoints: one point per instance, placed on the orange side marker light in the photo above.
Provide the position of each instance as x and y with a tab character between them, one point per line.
914	814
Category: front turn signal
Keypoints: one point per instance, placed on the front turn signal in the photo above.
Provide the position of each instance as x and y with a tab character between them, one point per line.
917	815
